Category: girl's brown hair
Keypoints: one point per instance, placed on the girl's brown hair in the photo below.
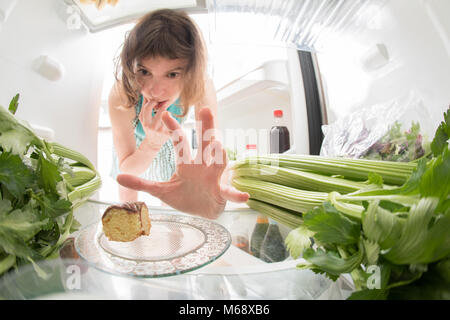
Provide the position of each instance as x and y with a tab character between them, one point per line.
169	34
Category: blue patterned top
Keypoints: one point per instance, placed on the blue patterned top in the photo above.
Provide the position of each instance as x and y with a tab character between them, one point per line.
163	165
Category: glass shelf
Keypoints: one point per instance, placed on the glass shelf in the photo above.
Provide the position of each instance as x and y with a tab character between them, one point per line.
235	275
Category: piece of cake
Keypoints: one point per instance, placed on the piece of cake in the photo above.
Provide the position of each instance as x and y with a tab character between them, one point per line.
126	222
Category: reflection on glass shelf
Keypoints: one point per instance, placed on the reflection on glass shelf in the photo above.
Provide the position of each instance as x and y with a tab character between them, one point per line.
234	275
66	281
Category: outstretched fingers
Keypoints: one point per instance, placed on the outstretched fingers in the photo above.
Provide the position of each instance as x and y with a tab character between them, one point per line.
216	156
207	133
210	150
139	184
232	194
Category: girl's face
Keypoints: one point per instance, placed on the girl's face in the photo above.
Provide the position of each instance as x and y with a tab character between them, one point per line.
161	79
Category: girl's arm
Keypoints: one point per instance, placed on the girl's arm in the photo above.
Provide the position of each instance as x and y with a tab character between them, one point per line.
132	160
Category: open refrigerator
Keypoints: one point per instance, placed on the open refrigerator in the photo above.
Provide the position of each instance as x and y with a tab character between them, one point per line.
318	61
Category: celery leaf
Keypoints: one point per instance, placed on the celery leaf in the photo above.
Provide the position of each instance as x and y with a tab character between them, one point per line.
330	261
16	229
16	136
425	236
369	294
440	141
330	226
298	240
23	223
14	104
381	226
435	181
49	175
55	207
14	175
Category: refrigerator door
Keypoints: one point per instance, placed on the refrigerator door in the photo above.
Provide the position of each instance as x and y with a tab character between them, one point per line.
98	18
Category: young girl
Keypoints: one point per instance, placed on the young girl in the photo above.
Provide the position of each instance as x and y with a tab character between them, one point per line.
163	68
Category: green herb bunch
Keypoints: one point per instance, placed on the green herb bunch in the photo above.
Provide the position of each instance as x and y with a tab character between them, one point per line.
41	183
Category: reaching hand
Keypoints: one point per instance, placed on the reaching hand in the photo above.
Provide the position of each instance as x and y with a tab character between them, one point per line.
195	186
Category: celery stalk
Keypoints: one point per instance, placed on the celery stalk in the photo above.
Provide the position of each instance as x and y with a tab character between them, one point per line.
82	192
286	217
298	179
81	175
71	154
279	195
7	262
356	169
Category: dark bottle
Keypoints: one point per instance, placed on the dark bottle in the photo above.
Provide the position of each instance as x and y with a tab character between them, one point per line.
273	248
279	134
262	224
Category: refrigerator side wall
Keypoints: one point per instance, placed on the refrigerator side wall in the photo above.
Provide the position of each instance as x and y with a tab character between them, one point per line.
69	106
415	35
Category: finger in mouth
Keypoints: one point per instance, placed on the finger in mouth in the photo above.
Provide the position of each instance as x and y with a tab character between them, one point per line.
159	105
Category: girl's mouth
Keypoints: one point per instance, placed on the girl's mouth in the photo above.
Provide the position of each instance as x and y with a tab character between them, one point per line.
159	105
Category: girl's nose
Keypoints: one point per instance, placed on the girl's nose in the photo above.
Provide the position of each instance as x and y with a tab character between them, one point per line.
154	88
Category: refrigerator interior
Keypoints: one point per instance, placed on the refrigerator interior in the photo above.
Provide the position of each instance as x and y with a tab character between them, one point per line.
383	52
404	49
379	51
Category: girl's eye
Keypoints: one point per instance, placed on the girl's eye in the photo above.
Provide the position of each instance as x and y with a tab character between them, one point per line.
143	72
173	75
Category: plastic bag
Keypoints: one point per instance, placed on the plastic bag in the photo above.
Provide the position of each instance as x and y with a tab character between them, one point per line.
396	130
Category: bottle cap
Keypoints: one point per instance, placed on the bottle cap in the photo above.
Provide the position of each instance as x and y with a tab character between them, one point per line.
250	147
262	219
278	113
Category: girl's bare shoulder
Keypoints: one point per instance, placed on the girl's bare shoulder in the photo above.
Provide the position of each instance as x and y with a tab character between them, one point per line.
121	115
117	98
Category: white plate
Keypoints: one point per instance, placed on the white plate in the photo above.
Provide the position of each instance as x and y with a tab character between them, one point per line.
176	244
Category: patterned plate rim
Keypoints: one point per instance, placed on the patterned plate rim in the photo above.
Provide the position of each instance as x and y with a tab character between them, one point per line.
206	253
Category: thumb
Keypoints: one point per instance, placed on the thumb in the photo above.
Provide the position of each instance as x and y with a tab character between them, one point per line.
139	184
232	194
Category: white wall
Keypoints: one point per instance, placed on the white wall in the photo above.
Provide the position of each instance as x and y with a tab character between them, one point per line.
68	106
251	81
245	106
416	34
